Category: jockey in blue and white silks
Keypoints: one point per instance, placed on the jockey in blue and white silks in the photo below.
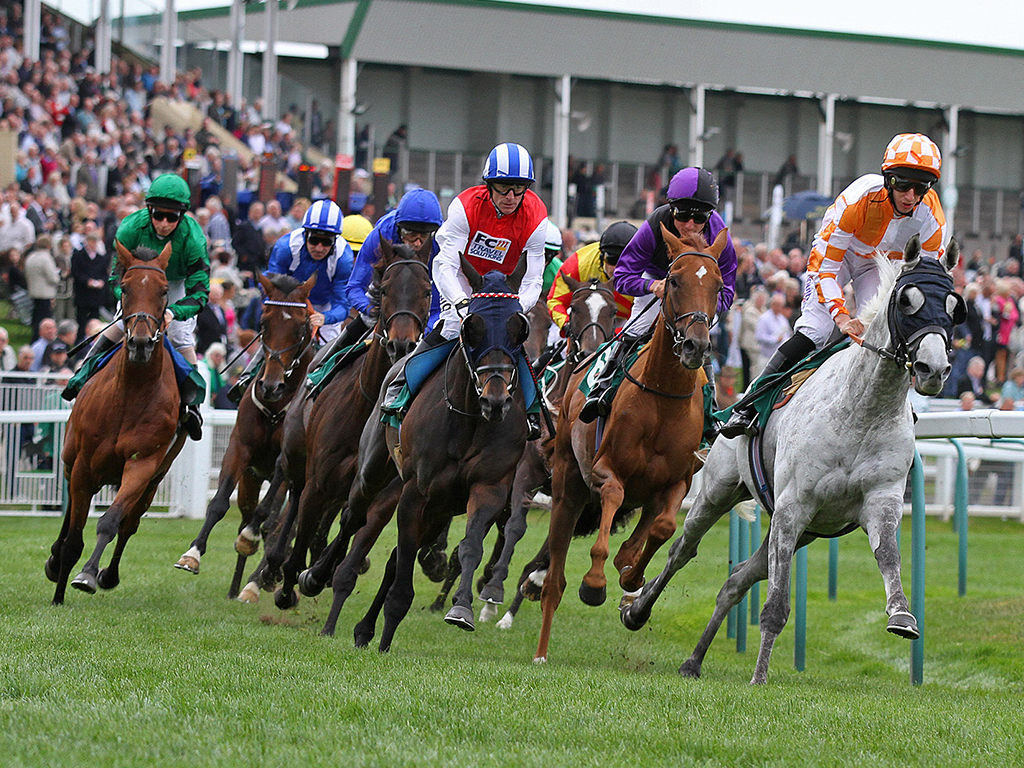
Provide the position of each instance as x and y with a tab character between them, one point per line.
318	246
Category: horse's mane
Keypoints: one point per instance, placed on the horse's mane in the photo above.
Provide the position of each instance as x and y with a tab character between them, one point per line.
142	253
692	241
888	271
284	283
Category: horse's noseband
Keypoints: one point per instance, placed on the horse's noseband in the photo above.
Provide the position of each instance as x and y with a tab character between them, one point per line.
382	338
132	320
303	343
672	326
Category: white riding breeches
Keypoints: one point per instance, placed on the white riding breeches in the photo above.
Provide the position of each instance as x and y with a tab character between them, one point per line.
815	322
181	333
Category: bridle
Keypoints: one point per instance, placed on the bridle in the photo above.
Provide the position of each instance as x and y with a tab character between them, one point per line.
385	325
672	320
132	320
304	343
577	335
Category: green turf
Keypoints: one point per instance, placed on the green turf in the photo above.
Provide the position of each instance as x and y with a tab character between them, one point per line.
164	671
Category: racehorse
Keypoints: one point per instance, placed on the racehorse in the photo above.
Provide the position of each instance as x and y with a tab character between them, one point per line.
123	429
647	455
321	438
837	454
458	449
286	338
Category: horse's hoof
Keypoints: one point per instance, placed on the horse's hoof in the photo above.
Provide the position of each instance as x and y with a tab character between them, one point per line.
434	563
107	579
540	659
246	543
309	585
690	668
268	578
461	617
52	569
438	604
493	595
285	599
188	563
85	582
903	624
364	566
633	619
362	636
505	622
592	595
250	594
488	612
628	598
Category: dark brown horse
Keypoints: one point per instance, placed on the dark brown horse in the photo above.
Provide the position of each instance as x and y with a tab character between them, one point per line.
321	440
646	458
123	429
287	343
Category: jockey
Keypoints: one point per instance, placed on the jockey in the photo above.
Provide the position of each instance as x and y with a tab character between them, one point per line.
877	212
163	220
355	228
317	246
595	261
414	222
643	267
493	224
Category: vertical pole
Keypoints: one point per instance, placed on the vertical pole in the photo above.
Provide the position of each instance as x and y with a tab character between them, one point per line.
696	149
235	56
32	24
347	108
949	187
755	590
734	537
741	606
826	144
833	568
103	32
270	108
917	568
960	507
168	54
800	647
560	161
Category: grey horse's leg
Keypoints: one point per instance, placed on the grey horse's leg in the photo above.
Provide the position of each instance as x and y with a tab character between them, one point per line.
881	529
782	545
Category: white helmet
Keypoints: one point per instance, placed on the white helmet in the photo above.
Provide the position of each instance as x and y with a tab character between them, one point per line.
553	242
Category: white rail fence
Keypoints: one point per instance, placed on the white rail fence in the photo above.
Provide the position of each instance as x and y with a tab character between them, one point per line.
33	420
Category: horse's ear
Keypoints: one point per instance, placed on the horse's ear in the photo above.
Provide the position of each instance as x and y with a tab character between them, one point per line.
912	252
265	282
307	286
124	256
423	254
672	242
516	278
952	255
475	281
720	242
572	284
386	251
165	256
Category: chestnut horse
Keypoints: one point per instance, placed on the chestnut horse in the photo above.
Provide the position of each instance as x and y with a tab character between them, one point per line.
123	429
286	338
321	441
647	455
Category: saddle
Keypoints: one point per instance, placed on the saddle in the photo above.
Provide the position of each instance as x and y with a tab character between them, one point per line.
318	379
182	370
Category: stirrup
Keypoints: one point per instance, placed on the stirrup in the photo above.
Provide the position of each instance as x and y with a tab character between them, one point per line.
743	421
533	430
192	420
594	407
237	390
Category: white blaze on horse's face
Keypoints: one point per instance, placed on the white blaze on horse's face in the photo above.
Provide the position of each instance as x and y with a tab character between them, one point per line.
701	272
594	305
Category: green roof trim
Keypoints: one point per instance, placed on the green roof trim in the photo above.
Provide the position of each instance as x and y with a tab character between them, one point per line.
507	5
355	26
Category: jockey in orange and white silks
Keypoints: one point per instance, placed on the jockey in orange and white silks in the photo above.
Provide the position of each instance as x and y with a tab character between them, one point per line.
877	212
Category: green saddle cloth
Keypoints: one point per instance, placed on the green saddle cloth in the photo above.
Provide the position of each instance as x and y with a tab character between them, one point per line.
320	377
597	365
768	392
182	370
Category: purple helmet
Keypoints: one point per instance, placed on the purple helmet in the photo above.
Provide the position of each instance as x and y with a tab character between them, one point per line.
693	188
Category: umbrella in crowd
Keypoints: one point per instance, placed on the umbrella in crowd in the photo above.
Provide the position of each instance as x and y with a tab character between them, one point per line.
805	205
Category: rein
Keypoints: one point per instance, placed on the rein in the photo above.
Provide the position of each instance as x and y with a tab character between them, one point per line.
382	337
305	342
678	337
491	372
157	322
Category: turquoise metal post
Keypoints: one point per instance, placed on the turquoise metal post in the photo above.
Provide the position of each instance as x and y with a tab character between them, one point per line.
734	557
833	568
755	591
917	568
800	649
741	606
960	514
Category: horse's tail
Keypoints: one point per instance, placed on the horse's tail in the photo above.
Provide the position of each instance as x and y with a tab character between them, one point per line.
745	509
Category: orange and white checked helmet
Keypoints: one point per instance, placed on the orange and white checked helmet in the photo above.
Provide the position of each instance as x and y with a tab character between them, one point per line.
914	152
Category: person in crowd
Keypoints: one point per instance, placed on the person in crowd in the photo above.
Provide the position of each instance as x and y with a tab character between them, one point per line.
773	326
877	212
90	267
249	243
43	277
1013	389
1004	310
8	358
46	332
975	381
211	323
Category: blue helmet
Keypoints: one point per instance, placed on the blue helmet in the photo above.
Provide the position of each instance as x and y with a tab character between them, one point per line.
323	216
419	210
509	163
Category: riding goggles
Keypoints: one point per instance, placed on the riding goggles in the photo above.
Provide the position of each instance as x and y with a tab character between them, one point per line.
171	217
323	240
900	184
518	190
691	214
415	234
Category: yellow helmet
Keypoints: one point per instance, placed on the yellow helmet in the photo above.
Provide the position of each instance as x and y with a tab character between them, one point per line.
355	228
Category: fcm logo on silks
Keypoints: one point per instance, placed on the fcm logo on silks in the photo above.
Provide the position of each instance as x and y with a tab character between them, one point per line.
485	246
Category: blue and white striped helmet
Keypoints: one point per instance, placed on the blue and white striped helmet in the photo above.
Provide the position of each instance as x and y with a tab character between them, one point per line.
509	162
323	216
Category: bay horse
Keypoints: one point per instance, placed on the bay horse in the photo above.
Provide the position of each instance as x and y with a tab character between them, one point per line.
287	341
123	429
321	439
647	455
836	454
458	449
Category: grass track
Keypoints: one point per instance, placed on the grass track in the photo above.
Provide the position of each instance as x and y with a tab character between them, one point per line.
164	671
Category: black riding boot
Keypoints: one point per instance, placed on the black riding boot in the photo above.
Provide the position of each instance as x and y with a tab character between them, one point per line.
237	389
599	401
743	420
100	347
394	391
190	417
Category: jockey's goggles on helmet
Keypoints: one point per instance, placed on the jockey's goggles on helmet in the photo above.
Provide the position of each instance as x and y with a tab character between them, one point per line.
503	189
697	216
171	217
412	233
324	239
901	184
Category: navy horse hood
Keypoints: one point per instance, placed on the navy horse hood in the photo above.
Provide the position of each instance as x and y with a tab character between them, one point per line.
495	304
